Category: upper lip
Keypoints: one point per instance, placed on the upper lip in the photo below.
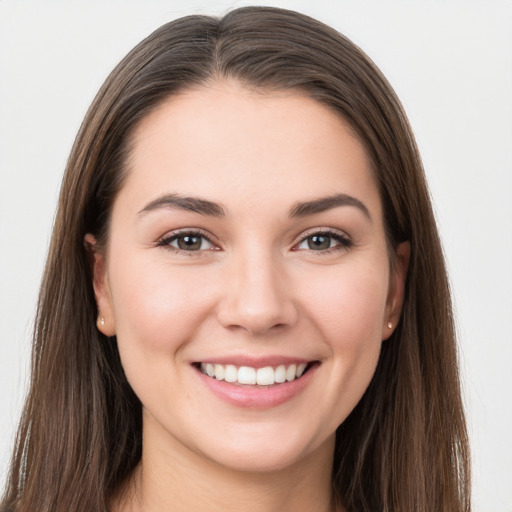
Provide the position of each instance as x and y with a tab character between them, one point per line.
254	362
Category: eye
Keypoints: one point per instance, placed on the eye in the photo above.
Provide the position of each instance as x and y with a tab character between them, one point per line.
187	241
324	241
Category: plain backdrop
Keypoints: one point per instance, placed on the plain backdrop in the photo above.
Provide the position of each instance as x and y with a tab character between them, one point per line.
450	63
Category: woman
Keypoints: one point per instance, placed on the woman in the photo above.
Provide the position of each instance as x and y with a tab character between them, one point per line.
245	304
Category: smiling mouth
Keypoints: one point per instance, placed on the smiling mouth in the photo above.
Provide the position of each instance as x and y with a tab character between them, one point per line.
249	376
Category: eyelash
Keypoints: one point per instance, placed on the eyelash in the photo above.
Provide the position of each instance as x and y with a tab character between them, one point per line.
168	239
343	242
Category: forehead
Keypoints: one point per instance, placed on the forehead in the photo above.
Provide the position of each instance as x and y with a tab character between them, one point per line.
238	146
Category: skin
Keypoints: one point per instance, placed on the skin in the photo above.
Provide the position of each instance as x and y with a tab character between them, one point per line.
256	289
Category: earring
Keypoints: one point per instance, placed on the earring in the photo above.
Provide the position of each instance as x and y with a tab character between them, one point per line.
390	325
102	321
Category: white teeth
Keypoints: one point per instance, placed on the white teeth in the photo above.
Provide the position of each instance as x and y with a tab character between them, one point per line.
219	372
280	374
266	376
300	369
210	370
291	372
231	373
246	375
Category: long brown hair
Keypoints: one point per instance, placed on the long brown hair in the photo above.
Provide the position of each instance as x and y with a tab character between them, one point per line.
404	447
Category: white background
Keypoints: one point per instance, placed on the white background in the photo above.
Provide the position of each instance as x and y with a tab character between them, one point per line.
450	63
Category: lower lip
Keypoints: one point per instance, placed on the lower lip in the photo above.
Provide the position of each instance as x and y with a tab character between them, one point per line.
253	397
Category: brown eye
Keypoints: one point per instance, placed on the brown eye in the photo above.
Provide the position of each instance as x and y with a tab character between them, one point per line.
189	242
324	242
319	242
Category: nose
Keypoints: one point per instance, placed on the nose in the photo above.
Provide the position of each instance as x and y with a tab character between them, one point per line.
257	295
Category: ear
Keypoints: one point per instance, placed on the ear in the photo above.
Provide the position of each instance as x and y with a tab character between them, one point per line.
396	289
105	321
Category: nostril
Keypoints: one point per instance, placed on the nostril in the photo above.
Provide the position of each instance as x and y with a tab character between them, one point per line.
257	303
256	326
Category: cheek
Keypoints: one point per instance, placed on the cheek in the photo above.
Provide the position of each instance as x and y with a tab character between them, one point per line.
157	307
158	310
348	305
348	310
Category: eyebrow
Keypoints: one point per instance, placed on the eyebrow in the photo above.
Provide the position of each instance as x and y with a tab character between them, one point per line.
323	204
193	204
210	208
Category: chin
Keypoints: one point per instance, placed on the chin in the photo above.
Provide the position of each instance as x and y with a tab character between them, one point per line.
266	453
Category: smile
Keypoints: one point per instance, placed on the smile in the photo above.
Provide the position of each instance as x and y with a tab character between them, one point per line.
247	375
256	383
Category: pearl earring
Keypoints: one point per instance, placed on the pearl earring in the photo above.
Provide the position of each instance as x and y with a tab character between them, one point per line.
390	325
102	321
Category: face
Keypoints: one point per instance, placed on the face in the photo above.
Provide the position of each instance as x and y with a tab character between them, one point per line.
246	276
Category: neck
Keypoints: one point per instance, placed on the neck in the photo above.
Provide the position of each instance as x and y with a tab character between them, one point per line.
181	480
